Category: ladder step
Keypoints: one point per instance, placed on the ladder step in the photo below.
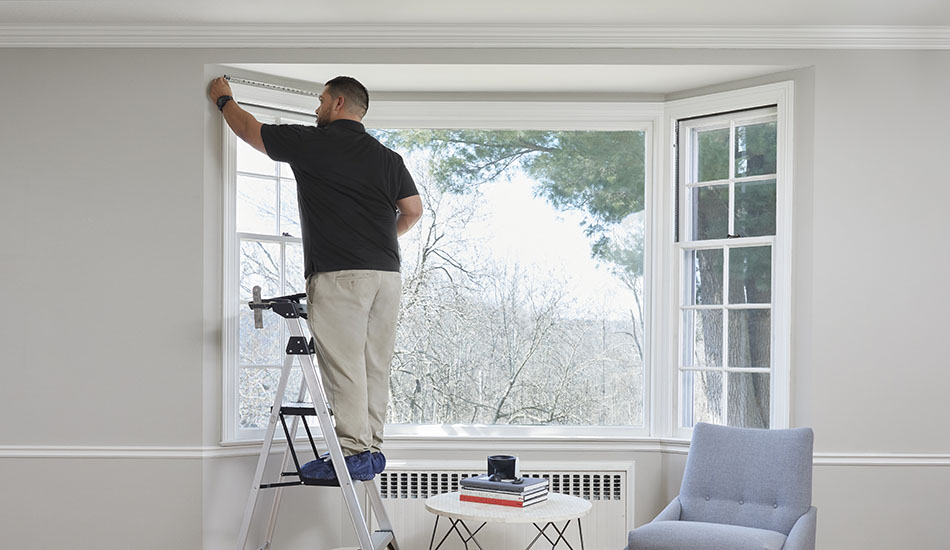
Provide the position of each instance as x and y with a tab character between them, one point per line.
321	482
298	409
381	539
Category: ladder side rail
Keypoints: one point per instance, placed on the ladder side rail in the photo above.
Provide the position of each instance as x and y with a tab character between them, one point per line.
275	506
265	452
379	512
318	394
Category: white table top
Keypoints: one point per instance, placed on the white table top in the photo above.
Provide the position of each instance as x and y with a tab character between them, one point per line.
557	507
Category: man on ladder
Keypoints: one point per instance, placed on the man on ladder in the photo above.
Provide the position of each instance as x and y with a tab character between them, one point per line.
355	197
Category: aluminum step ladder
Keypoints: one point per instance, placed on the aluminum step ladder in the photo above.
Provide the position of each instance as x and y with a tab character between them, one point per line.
301	348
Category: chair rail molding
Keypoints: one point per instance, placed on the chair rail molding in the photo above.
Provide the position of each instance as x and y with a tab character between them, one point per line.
643	445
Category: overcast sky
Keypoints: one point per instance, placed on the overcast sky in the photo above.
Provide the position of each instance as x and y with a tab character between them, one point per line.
527	230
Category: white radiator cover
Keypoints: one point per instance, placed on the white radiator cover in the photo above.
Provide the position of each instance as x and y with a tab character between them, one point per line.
608	486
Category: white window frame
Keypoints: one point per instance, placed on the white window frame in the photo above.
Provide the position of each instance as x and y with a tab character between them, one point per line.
668	381
617	116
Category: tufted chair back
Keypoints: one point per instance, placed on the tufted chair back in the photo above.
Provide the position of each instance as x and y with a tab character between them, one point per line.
747	477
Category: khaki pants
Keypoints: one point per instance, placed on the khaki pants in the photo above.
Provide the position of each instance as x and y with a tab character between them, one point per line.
352	316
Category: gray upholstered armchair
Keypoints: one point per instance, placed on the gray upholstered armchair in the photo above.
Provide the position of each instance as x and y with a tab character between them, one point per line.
743	489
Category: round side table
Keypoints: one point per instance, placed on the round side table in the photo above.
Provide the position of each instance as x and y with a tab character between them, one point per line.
544	515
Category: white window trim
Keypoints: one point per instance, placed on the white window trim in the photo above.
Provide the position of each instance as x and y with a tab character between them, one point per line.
666	385
633	116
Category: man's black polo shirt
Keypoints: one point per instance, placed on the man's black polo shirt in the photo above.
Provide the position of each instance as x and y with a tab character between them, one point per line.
347	187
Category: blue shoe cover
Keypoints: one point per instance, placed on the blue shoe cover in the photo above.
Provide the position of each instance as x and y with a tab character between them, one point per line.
379	462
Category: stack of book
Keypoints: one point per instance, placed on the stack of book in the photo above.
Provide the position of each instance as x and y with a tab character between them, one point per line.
504	493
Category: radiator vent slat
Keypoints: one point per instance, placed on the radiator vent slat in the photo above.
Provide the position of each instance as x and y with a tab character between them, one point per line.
421	485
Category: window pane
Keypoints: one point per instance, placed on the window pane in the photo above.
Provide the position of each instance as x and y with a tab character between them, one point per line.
750	338
256	205
289	213
755	149
704	272
755	208
523	284
253	161
260	265
257	389
702	341
749	399
750	275
294	276
260	346
710	212
702	394
712	150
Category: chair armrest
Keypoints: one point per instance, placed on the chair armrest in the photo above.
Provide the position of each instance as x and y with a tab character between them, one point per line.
671	512
802	535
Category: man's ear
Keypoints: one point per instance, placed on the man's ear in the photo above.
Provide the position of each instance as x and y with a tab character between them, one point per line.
339	104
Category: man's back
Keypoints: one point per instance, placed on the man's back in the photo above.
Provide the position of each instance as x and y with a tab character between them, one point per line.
347	187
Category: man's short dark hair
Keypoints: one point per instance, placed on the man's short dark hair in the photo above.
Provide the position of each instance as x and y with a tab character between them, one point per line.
351	89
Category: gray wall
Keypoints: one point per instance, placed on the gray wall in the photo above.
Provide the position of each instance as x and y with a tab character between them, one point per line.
110	217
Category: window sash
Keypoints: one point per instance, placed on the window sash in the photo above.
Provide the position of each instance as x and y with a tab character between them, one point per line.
778	243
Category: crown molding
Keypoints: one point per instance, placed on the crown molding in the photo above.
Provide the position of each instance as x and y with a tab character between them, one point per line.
474	36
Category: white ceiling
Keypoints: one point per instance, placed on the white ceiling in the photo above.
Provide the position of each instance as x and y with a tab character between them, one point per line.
623	79
560	12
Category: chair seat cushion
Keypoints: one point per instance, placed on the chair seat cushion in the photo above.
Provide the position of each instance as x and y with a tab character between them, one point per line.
682	535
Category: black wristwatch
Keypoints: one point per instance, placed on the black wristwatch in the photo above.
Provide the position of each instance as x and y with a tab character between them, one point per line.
222	101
